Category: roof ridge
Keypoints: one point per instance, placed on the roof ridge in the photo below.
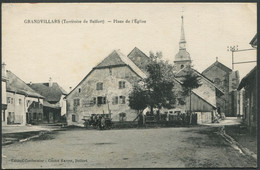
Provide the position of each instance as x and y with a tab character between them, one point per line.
114	52
215	64
136	48
131	64
25	84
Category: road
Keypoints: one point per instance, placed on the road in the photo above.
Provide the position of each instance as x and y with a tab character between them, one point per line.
131	148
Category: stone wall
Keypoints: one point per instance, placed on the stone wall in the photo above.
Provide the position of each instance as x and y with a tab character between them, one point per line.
87	91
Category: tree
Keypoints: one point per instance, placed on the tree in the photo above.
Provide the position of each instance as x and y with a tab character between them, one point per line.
138	98
190	81
157	89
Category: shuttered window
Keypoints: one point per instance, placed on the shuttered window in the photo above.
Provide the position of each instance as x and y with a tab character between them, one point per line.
99	86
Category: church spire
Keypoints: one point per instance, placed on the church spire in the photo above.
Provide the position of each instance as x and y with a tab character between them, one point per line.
182	42
182	58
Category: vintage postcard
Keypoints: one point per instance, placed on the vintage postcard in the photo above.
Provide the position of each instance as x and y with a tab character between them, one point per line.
129	85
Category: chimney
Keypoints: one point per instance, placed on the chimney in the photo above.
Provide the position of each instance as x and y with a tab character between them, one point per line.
3	70
50	82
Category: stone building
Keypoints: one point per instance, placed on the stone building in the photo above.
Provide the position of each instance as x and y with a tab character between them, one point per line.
105	89
227	80
20	99
54	104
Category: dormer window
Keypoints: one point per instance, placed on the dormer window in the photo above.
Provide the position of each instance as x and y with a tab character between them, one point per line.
99	86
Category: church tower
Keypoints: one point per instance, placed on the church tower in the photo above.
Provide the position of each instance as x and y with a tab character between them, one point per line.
182	58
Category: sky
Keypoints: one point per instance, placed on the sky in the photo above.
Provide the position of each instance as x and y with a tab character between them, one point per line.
67	52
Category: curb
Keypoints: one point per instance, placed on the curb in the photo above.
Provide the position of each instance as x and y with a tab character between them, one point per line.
237	145
27	139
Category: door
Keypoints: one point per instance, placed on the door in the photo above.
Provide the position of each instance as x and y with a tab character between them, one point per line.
51	117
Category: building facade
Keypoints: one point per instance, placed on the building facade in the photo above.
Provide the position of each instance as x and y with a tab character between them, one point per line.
227	80
54	104
105	90
249	85
19	98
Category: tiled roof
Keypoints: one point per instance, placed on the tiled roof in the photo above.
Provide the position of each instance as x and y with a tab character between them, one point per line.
200	93
15	84
139	58
51	94
181	73
116	58
112	59
248	78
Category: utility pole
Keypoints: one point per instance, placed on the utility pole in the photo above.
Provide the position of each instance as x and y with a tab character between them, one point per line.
234	49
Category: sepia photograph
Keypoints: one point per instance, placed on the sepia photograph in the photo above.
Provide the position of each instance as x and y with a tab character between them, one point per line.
129	85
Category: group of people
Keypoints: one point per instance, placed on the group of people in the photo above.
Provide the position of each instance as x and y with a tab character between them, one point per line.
98	121
177	118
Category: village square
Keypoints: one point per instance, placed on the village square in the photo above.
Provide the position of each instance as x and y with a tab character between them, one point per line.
134	110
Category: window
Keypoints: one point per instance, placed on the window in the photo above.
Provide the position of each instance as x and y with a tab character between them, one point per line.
73	118
94	100
28	101
20	101
101	100
39	116
217	81
182	66
99	86
34	115
89	102
76	102
115	100
122	117
122	99
79	90
121	84
8	99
